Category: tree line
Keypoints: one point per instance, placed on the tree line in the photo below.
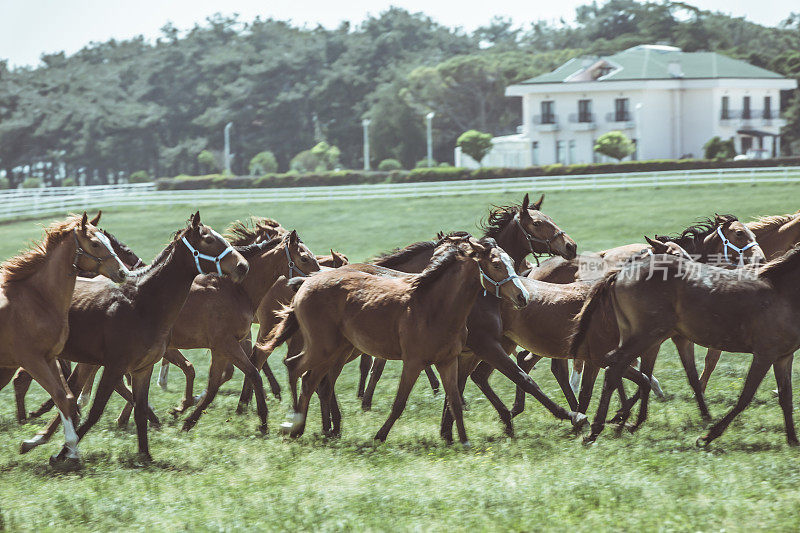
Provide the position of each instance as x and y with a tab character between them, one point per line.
118	107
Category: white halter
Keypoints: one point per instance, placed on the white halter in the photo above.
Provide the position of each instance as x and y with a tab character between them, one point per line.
728	244
214	259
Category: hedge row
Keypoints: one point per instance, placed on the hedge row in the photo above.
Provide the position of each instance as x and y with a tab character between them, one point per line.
352	177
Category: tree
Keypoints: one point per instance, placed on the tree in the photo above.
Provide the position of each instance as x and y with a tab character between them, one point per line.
716	148
475	144
320	158
614	144
207	161
263	163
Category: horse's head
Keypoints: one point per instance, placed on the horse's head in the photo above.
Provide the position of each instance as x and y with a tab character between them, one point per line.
267	229
666	247
543	234
737	243
211	252
94	252
300	260
496	270
335	260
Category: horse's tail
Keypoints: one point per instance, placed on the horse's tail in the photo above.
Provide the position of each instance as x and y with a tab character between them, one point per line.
597	295
287	327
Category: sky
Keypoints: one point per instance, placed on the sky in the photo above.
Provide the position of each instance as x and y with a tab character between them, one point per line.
29	28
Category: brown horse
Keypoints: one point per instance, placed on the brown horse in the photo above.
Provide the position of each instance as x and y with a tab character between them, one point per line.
126	329
712	240
22	380
742	311
417	318
776	235
35	291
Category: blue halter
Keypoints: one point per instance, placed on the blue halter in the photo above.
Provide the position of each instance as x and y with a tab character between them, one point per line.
497	284
728	244
214	259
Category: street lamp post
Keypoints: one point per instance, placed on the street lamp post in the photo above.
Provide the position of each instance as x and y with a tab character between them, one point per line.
227	130
639	131
429	121
365	124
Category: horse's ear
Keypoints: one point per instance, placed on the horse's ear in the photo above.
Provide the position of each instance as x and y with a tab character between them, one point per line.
196	220
96	219
538	205
525	201
84	220
293	238
658	246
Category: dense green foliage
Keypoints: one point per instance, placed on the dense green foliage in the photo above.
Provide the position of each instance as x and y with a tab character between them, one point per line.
716	148
121	106
263	163
224	476
475	144
614	144
389	164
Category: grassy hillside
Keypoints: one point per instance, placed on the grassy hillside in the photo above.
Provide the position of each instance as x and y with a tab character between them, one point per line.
223	475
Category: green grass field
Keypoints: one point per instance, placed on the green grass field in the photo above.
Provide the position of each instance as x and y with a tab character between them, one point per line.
225	476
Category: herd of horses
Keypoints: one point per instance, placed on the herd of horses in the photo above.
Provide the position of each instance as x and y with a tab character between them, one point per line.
81	300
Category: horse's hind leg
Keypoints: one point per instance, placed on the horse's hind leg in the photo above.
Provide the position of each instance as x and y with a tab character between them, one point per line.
560	369
214	382
575	377
128	396
758	369
364	364
432	379
177	358
141	389
712	358
163	374
22	382
588	379
686	353
526	361
467	366
449	373
375	374
408	377
783	375
86	391
480	376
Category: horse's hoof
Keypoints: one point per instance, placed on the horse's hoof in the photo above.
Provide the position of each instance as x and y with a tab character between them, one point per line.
380	438
22	420
27	445
188	424
263	428
509	430
155	424
241	408
286	428
366	406
579	420
122	424
702	442
632	427
436	391
588	440
465	445
278	396
793	442
65	463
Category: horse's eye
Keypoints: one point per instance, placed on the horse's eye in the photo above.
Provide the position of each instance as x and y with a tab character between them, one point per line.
537	223
95	245
739	233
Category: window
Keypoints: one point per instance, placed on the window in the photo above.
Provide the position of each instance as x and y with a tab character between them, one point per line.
622	110
585	111
747	144
767	107
746	107
726	108
560	153
571	152
548	117
535	153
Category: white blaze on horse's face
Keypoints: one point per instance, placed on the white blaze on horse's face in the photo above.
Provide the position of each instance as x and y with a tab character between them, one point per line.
511	273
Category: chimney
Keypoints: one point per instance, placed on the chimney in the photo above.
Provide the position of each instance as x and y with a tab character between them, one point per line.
674	69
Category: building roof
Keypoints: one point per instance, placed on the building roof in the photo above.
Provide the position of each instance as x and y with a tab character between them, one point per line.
653	62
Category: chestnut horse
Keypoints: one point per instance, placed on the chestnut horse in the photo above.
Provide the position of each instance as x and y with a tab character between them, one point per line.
35	291
743	311
776	235
126	329
420	319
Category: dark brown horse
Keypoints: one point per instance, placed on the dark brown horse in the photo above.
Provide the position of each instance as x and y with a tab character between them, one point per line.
417	318
126	329
742	311
35	291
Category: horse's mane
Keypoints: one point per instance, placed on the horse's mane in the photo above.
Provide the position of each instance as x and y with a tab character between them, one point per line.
162	257
24	265
400	255
691	239
499	217
437	267
258	247
771	221
788	262
244	232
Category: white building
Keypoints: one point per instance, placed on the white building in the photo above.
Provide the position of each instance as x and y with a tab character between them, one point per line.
669	102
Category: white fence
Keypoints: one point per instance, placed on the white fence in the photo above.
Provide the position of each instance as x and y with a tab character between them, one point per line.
45	201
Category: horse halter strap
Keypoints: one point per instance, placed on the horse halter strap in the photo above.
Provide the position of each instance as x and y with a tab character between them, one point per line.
79	251
531	239
214	259
496	284
292	266
728	244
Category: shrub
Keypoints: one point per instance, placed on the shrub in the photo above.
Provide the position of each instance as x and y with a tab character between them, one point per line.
445	164
319	159
140	176
3	183
716	148
475	144
263	163
389	164
424	163
31	183
207	161
614	144
68	182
